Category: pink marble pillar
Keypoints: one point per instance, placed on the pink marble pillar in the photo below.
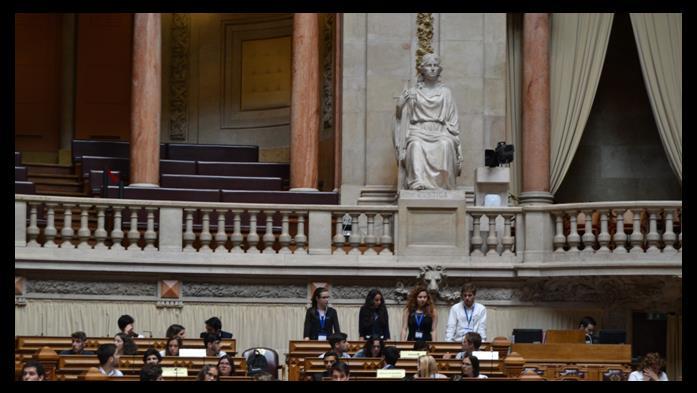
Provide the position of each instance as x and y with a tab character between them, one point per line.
305	111
146	100
536	109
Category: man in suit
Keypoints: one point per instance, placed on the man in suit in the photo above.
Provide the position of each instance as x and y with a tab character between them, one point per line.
214	326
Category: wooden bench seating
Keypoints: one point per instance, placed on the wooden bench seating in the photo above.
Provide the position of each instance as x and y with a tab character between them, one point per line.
221	182
25	187
258	169
134	378
180	167
200	152
18	158
30	344
20	173
280	197
96	181
166	194
84	147
75	365
101	163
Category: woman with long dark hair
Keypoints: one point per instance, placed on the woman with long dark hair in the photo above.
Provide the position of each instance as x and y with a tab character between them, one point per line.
372	349
320	320
419	318
372	317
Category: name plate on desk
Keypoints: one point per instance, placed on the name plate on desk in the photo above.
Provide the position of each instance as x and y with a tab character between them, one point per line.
486	355
175	372
391	373
411	354
192	352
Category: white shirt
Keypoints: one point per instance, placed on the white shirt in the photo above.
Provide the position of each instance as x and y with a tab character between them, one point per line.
343	355
461	322
639	376
113	373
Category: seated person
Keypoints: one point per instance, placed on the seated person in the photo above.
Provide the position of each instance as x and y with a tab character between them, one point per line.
587	324
470	343
125	345
214	326
340	371
391	356
108	362
79	340
372	349
176	330
649	369
152	356
208	373
33	370
426	367
329	360
151	372
172	348
470	368
263	376
212	343
126	324
338	344
226	366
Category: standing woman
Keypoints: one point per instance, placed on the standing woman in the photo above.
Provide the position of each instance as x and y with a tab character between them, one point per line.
372	318
320	320
420	317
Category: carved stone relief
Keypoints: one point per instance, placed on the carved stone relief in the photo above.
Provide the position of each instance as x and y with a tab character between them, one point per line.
244	291
424	35
92	288
179	77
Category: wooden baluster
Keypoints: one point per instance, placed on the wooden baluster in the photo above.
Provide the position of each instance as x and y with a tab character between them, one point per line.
253	237
221	235
573	239
636	238
50	231
133	233
338	238
67	232
355	238
117	232
668	234
559	238
236	237
386	238
189	235
284	238
300	238
491	240
604	236
476	236
679	212
205	237
507	241
588	237
370	238
84	232
269	238
620	237
150	235
652	237
33	229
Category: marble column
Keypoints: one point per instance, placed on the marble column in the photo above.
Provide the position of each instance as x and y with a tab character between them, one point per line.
146	100
305	99
536	109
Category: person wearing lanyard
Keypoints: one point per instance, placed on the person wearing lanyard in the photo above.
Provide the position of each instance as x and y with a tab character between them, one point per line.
320	319
419	318
466	316
373	321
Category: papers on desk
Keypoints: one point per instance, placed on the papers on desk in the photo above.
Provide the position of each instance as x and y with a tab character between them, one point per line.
192	352
411	354
486	355
175	372
391	373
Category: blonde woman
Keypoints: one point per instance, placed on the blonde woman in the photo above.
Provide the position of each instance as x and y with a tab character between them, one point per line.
426	367
419	319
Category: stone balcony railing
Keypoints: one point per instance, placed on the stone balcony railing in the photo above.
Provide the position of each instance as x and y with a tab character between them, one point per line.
162	236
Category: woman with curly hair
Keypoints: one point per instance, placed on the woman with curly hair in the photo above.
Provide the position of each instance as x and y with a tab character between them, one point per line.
649	369
420	317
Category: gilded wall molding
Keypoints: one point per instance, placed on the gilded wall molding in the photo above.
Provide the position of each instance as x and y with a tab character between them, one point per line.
179	77
424	35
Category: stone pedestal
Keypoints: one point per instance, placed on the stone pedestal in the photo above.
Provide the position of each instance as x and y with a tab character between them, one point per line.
492	181
432	223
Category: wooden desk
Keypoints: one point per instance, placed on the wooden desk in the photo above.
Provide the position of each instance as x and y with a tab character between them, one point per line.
30	344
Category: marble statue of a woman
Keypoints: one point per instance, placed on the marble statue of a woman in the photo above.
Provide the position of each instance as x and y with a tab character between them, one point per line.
427	132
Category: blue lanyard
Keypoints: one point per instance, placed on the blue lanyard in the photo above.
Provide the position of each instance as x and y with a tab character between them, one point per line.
468	317
419	318
322	321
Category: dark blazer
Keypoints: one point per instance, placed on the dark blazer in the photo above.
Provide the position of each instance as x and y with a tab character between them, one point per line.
70	352
366	322
222	334
312	325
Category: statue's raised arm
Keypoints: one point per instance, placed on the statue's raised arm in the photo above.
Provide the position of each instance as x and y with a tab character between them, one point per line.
427	135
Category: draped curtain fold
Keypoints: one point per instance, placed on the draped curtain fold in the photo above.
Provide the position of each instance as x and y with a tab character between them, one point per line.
674	347
514	75
659	43
578	46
